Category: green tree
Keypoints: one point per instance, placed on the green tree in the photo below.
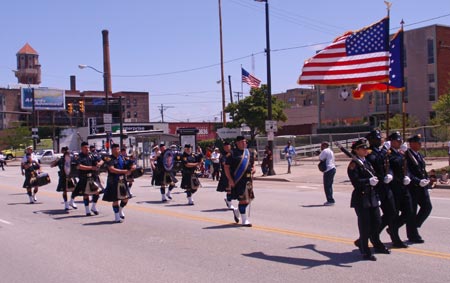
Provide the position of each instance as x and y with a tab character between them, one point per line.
16	136
442	107
396	122
252	111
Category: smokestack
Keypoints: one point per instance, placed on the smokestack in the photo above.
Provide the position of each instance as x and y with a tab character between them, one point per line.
106	68
73	83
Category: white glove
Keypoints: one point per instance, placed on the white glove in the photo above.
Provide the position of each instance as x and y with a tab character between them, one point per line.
387	145
424	182
373	181
404	147
388	178
406	181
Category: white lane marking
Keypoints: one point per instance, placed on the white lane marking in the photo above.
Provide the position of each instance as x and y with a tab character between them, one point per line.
6	222
307	187
438	217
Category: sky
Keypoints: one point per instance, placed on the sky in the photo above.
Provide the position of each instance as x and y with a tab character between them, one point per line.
171	49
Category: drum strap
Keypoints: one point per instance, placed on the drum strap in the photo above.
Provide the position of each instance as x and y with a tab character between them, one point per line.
242	167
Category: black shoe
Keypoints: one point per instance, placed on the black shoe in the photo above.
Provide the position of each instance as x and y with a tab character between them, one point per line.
236	215
369	257
88	214
95	212
399	245
417	240
356	243
382	250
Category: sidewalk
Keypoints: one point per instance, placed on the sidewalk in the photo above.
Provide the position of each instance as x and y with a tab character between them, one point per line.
306	171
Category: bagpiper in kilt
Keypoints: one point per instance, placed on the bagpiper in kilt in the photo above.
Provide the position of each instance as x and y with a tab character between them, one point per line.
31	169
223	186
117	185
189	181
87	165
239	168
65	181
164	177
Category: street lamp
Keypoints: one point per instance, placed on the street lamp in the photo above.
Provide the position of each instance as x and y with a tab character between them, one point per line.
106	77
269	82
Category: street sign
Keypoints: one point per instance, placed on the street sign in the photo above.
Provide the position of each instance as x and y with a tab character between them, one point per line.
270	136
271	126
107	118
107	127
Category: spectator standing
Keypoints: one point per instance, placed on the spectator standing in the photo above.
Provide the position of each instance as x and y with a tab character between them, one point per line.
327	155
289	152
266	160
215	159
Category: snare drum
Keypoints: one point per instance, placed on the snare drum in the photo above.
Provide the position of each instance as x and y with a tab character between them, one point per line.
42	179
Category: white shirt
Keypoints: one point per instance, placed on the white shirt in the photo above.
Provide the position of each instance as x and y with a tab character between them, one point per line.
328	155
215	157
33	157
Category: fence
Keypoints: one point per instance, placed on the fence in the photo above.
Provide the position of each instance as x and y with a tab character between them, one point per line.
309	145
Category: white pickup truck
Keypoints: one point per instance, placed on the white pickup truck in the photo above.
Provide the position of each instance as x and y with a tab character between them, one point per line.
47	155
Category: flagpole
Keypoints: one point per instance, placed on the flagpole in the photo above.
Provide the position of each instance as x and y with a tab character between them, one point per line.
242	85
403	93
388	95
222	76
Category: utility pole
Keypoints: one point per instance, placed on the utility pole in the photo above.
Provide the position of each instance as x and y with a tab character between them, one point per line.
163	108
238	94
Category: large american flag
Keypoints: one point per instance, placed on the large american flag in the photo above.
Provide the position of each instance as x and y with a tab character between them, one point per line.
396	77
249	79
352	58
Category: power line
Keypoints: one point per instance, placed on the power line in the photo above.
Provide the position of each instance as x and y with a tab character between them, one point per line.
250	55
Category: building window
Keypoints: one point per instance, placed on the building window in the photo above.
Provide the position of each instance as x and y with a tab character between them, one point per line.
128	115
134	102
430	48
135	114
431	94
431	78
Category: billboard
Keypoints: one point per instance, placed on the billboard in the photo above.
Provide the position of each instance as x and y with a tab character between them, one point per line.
45	99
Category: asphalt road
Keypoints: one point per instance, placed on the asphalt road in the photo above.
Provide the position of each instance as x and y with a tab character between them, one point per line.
294	237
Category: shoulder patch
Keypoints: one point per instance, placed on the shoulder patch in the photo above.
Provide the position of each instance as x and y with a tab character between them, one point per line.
352	165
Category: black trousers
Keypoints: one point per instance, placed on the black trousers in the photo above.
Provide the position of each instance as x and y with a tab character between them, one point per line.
420	197
390	214
403	202
369	221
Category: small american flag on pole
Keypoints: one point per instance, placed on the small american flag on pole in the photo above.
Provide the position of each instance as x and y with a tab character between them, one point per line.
355	57
249	79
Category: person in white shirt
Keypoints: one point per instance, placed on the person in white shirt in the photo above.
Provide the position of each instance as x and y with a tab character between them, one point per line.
215	158
327	155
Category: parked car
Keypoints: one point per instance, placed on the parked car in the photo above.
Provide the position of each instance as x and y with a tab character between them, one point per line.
47	155
8	154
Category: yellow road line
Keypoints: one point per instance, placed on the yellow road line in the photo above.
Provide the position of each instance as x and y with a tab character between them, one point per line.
280	231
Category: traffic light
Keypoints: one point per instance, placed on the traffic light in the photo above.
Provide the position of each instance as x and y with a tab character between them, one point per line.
70	108
81	104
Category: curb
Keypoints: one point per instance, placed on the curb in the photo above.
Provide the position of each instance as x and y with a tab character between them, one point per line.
268	178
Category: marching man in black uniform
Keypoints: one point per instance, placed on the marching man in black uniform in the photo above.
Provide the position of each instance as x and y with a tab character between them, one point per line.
239	168
189	181
365	200
402	197
87	165
378	158
419	185
117	186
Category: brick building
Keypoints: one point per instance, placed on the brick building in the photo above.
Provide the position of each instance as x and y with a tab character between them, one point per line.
427	77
